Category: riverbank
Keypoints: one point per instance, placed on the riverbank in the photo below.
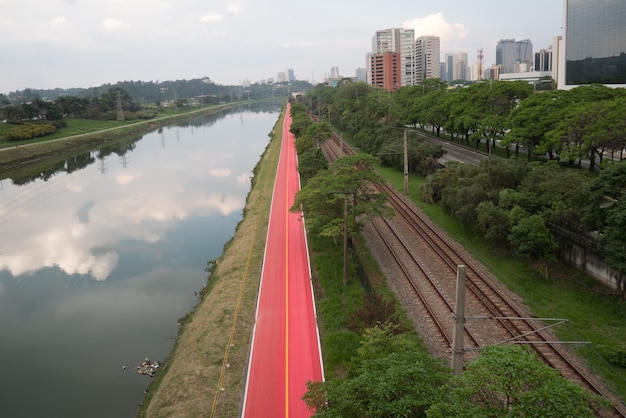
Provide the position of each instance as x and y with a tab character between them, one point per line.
43	150
205	372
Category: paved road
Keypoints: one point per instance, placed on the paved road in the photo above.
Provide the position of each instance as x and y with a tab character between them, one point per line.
285	348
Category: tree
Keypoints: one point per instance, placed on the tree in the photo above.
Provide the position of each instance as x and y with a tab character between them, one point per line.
613	241
348	182
334	200
14	113
530	121
606	213
559	195
392	376
512	381
421	155
530	237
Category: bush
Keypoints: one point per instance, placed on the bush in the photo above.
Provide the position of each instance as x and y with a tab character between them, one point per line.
375	311
618	358
29	130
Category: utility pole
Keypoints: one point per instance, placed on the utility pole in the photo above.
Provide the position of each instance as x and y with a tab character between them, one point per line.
345	240
120	109
406	166
459	322
345	233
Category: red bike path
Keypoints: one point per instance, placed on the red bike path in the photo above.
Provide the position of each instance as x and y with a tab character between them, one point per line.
285	350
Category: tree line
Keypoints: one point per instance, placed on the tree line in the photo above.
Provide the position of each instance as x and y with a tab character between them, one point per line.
163	91
98	107
516	202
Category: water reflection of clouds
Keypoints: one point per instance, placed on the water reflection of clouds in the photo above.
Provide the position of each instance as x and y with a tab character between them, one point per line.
140	199
220	172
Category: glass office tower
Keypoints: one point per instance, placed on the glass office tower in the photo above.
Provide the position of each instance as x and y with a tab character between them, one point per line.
595	42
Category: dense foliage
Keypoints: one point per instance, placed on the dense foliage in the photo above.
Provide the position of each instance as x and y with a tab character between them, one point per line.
164	91
525	206
512	381
392	375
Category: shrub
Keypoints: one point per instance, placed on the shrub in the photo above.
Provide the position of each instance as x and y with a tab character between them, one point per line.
375	311
618	358
29	130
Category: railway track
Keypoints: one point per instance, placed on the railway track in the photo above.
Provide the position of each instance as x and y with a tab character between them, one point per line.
431	272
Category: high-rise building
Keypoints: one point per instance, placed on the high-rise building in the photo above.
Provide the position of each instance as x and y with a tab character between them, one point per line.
427	57
456	67
511	53
291	77
384	68
401	41
543	59
594	43
360	74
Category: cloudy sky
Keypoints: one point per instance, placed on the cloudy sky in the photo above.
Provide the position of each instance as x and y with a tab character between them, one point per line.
85	43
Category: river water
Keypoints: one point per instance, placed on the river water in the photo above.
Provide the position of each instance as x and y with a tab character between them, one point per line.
101	255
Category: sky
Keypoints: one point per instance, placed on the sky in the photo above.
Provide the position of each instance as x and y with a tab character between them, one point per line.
46	44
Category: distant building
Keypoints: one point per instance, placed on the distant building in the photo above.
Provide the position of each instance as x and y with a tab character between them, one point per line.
532	77
291	77
334	79
384	72
281	77
476	72
456	67
543	60
360	74
493	72
402	42
511	53
427	58
594	43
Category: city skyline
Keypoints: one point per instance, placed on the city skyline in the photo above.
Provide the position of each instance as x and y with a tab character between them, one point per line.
87	43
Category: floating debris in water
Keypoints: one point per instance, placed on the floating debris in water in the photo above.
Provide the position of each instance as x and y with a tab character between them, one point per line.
148	368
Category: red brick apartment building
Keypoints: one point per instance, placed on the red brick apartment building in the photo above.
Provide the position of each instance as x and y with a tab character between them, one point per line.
385	70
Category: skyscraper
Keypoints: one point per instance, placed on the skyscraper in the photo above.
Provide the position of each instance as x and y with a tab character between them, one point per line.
401	41
511	53
456	67
595	43
427	57
543	60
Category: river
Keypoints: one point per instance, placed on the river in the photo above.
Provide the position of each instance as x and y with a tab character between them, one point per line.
101	255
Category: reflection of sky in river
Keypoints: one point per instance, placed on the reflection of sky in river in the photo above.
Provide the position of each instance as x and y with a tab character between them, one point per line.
77	221
97	265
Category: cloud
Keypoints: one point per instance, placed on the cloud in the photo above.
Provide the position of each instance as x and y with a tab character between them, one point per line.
125	178
211	17
244	178
220	172
436	25
234	9
112	24
58	21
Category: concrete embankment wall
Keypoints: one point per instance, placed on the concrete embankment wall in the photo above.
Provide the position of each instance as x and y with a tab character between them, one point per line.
591	264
